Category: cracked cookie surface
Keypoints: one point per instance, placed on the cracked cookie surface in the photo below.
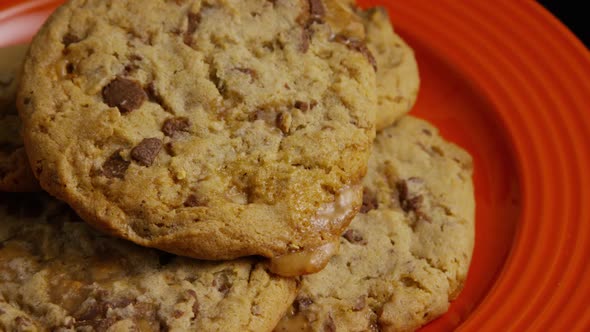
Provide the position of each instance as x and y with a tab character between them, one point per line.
15	172
406	255
210	129
59	274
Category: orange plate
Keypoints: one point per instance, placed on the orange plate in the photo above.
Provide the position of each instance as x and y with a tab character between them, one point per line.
510	83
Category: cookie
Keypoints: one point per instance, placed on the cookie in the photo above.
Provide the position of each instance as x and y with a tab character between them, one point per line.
210	129
58	274
15	172
406	255
398	79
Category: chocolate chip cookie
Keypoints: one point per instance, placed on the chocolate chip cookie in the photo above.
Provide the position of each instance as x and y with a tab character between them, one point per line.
398	79
58	274
15	172
406	255
211	129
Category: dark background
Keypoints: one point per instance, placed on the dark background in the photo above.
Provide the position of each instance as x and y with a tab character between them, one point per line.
572	14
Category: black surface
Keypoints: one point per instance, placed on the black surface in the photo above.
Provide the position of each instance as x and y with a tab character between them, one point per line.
574	14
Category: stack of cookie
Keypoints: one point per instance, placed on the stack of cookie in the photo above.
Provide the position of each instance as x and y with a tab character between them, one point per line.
235	165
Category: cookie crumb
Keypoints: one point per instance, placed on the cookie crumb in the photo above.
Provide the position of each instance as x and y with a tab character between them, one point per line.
284	120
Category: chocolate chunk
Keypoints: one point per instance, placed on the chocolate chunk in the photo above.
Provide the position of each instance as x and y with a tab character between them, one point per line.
115	166
146	152
174	126
23	323
409	201
329	325
316	10
193	24
169	147
301	105
146	310
135	57
302	303
355	237
130	68
411	204
359	304
95	311
369	201
222	282
196	307
189	293
194	201
120	303
125	94
70	68
359	46
253	73
153	94
315	15
70	38
177	314
306	35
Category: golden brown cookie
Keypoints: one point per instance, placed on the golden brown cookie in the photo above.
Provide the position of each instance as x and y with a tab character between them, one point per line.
406	255
58	274
211	129
15	172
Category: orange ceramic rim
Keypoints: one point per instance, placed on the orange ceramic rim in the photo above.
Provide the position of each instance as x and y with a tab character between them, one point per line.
507	81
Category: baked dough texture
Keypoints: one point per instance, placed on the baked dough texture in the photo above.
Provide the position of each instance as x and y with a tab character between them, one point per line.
211	129
59	274
407	254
